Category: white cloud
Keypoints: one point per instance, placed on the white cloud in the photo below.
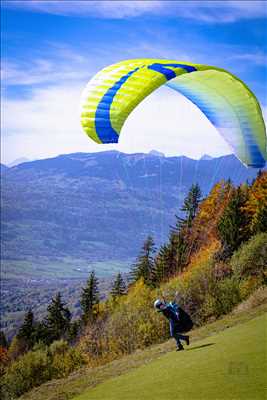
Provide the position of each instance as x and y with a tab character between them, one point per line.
59	64
47	124
208	11
258	57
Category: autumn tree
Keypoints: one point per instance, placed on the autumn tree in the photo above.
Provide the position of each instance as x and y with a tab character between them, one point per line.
204	229
256	204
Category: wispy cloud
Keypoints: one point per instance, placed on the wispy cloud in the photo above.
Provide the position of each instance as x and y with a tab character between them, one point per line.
62	65
258	58
208	11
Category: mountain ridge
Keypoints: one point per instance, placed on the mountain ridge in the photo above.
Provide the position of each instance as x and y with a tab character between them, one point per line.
100	205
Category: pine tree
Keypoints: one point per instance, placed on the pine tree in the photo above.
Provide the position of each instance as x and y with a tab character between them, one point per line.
26	332
118	287
191	203
172	257
181	252
41	333
58	319
232	226
163	261
3	340
90	298
73	331
172	253
144	266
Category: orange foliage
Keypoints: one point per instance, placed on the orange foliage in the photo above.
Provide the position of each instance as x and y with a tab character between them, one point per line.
257	200
4	359
204	229
204	254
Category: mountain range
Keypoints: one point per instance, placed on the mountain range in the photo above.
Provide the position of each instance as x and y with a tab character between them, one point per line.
100	206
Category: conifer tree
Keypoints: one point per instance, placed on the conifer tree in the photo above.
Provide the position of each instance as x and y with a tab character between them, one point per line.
232	227
172	257
41	332
58	319
3	340
26	332
144	266
90	298
181	252
162	264
118	287
191	203
73	331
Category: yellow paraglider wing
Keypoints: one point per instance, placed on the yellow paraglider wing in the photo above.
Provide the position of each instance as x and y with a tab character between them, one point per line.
112	94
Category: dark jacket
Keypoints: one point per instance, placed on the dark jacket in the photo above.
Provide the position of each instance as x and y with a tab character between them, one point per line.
178	318
170	313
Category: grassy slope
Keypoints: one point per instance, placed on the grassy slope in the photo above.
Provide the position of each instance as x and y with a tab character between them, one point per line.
158	355
228	365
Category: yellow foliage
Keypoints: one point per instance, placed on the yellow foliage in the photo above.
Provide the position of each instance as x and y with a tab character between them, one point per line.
248	286
257	200
204	229
204	254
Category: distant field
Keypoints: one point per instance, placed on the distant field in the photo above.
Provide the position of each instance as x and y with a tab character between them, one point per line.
28	284
66	268
230	365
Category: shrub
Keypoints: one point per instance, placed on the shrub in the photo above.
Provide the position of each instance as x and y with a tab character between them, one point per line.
38	366
193	288
64	359
16	348
132	324
30	370
249	285
251	258
4	360
205	291
225	296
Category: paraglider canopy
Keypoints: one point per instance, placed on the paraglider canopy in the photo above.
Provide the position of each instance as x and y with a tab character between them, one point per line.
112	94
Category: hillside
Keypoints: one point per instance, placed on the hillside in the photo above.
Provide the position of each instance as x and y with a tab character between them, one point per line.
100	206
225	354
229	365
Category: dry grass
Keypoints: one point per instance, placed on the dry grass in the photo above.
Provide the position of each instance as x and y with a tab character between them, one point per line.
258	298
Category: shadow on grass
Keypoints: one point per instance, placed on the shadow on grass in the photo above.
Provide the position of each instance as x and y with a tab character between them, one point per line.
200	347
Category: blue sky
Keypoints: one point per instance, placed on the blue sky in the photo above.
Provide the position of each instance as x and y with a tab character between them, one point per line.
50	49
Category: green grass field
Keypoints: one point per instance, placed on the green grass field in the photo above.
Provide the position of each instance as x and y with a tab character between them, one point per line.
230	365
67	268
